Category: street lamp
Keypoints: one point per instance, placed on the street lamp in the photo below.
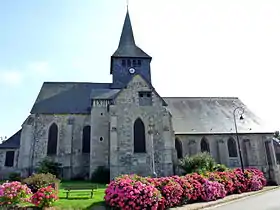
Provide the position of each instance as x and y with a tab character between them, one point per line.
241	109
151	132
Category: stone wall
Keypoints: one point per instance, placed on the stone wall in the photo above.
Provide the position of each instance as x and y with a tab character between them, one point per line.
252	147
122	117
5	171
69	147
99	135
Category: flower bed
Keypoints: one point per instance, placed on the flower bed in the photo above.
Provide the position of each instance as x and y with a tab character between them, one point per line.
132	192
44	197
135	192
15	193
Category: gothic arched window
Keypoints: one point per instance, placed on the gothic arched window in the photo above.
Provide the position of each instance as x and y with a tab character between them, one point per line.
179	148
52	140
86	139
204	145
232	150
139	136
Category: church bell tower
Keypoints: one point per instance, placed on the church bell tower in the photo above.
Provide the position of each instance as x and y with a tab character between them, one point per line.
129	59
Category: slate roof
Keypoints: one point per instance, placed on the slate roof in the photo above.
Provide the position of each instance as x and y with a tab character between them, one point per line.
127	46
104	93
13	142
277	141
190	115
66	97
206	115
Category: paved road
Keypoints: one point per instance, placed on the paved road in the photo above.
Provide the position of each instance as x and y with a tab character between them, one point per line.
266	201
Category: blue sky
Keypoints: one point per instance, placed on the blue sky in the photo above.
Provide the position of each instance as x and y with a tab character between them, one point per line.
199	48
51	41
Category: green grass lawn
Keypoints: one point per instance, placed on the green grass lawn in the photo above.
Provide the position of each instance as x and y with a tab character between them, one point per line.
79	200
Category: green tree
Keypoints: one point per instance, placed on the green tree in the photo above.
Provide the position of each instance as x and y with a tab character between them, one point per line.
198	163
277	135
48	166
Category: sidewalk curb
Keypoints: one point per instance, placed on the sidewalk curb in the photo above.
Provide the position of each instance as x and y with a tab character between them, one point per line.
224	202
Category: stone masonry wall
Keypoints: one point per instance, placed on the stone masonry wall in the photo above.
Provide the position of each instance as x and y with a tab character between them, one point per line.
5	171
69	147
99	135
122	117
252	147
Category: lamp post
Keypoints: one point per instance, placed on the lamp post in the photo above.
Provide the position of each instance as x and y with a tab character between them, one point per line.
151	132
241	109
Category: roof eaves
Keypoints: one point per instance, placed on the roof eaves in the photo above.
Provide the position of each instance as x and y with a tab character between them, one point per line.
221	133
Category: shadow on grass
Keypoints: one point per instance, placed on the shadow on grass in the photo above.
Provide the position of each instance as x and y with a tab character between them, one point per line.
75	198
97	206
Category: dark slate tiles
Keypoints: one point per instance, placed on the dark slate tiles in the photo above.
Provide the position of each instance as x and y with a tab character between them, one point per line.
13	142
74	98
193	115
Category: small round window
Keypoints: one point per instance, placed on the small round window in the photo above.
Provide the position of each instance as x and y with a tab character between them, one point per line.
101	139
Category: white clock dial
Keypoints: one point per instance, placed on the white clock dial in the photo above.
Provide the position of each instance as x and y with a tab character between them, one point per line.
131	70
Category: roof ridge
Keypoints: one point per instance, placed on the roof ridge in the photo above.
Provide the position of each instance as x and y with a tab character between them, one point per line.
203	97
13	141
48	82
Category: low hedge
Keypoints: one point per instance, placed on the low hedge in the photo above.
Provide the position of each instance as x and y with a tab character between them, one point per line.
136	192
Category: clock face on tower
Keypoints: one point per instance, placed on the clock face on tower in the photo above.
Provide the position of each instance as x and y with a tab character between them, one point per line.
131	70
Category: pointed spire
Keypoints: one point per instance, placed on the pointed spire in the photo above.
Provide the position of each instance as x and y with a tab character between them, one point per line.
127	3
127	37
127	46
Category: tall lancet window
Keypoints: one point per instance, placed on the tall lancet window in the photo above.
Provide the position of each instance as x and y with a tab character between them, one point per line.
179	148
52	140
204	145
232	149
139	136
86	139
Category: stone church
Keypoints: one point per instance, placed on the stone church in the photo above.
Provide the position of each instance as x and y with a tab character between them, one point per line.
129	128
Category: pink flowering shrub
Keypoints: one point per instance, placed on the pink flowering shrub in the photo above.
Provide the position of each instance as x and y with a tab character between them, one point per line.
258	175
206	190
224	178
212	191
132	192
239	180
44	197
187	188
255	179
197	177
196	186
235	181
170	190
135	192
254	184
13	193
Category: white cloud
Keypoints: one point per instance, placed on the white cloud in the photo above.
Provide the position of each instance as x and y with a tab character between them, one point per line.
10	77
